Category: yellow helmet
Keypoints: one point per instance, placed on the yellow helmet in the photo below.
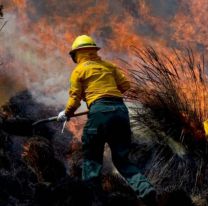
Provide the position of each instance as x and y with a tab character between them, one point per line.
82	42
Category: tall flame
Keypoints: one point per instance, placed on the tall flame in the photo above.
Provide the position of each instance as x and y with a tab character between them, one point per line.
38	35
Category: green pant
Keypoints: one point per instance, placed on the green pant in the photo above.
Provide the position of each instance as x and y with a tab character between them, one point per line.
108	121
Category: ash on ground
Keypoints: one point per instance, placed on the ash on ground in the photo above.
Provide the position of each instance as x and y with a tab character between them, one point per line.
41	166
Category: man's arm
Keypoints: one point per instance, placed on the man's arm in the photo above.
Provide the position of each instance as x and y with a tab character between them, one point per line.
75	94
123	83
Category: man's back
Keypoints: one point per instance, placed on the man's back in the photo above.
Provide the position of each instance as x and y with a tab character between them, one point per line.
100	79
95	79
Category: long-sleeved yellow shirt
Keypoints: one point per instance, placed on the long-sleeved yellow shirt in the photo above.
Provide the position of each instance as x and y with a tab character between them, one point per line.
93	79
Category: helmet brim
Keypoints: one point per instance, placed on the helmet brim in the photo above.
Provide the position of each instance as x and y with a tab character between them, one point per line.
83	47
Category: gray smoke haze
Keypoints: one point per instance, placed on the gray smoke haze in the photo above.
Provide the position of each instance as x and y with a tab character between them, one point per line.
39	33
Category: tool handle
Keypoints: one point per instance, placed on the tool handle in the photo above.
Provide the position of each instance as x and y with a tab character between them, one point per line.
52	119
80	114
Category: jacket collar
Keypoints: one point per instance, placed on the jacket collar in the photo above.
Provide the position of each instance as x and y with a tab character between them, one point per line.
87	55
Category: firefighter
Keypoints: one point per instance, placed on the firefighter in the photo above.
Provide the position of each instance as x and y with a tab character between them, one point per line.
101	85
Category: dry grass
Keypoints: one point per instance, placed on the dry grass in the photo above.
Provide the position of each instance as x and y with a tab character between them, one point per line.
169	98
171	95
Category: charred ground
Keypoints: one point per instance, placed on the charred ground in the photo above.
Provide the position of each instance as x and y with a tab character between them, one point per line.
42	167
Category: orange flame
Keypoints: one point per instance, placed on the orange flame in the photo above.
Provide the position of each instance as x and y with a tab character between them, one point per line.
39	37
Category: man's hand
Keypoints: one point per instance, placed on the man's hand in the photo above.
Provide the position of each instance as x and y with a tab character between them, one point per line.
62	117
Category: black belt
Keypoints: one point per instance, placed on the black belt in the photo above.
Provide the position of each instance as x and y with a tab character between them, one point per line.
113	99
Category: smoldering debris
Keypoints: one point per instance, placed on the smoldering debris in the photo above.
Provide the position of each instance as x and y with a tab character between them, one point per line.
43	167
16	118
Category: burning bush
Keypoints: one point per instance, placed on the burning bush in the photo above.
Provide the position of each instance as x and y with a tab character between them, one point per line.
173	94
170	95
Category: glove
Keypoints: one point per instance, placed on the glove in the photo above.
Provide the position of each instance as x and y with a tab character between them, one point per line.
62	116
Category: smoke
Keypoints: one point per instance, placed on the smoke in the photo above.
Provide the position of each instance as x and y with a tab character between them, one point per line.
25	63
38	35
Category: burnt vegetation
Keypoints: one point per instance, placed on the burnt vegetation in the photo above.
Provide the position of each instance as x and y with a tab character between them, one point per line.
40	166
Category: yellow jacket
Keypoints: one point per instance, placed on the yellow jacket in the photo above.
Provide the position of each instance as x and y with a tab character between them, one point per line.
93	79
